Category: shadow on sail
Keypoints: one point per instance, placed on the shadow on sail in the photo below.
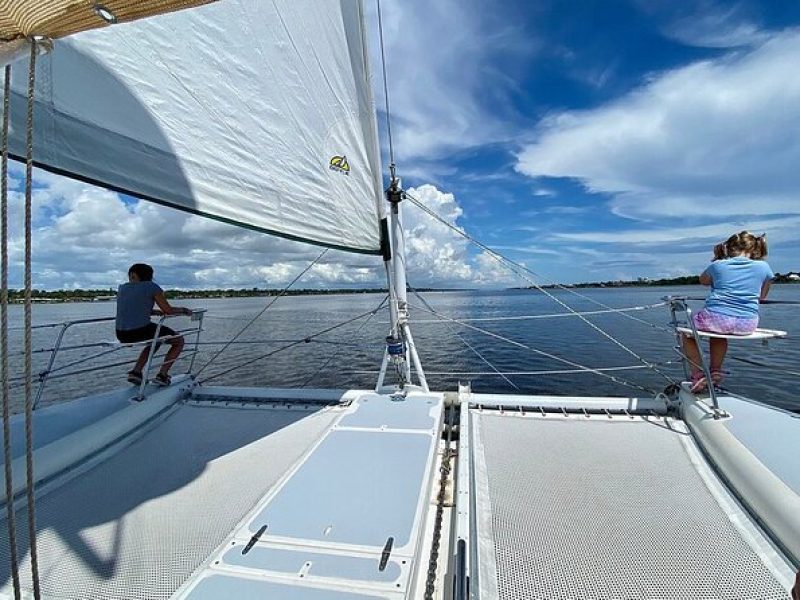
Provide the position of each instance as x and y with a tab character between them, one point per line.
83	114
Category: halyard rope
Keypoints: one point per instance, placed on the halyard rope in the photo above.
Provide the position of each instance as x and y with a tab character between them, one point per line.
263	310
10	516
28	366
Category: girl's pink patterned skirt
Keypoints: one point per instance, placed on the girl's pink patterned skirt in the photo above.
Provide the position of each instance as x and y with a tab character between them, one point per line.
706	320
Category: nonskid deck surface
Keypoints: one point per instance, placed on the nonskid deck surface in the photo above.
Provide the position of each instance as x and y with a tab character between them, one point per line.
577	507
138	524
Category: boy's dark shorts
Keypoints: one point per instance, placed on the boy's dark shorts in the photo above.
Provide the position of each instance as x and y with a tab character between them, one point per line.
148	332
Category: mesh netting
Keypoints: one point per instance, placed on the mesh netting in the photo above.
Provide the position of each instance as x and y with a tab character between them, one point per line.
609	509
138	524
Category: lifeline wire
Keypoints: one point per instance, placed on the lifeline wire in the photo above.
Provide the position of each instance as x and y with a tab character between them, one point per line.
10	516
530	373
263	310
510	263
553	315
339	347
507	262
466	343
292	345
540	352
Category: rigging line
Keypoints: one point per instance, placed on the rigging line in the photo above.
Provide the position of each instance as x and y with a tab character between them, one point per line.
506	262
385	89
292	345
265	309
10	514
339	350
541	352
29	481
465	342
503	259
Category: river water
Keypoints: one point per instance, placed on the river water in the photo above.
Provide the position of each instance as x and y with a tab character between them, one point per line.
349	357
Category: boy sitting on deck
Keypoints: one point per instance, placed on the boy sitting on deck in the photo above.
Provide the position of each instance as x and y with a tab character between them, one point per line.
739	280
135	301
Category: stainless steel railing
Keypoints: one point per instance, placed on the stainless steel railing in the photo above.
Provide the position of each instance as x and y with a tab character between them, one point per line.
51	372
680	304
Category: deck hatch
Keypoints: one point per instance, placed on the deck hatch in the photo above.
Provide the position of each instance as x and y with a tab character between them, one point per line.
375	497
376	411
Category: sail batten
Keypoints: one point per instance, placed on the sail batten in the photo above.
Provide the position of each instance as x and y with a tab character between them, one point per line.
252	113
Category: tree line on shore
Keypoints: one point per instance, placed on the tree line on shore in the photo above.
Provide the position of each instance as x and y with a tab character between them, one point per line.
16	296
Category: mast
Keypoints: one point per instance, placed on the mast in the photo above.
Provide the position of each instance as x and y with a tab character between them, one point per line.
400	348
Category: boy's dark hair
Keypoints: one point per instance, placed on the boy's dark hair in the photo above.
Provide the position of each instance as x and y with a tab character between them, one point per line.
143	272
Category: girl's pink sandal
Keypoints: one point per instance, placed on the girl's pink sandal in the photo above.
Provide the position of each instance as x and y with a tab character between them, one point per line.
717	377
699	383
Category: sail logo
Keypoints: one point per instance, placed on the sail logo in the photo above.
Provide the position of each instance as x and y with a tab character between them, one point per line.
340	164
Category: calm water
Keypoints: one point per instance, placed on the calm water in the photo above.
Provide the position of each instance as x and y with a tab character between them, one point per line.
353	352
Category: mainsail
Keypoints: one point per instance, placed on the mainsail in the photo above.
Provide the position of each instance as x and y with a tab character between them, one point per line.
254	113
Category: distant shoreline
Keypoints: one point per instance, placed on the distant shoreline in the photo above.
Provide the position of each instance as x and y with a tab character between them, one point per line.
110	295
644	282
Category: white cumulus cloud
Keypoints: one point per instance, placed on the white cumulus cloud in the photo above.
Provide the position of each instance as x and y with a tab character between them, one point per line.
718	137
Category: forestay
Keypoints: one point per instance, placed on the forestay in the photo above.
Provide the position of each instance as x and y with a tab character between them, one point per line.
254	113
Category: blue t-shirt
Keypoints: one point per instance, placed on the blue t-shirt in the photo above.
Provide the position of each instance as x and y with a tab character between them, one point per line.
135	304
736	286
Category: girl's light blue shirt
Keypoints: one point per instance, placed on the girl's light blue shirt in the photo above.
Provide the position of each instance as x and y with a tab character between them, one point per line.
736	286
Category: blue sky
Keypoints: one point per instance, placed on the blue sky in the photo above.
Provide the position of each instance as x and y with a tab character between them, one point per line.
604	139
589	139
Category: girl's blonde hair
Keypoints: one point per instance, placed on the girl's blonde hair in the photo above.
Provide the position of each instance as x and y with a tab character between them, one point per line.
744	242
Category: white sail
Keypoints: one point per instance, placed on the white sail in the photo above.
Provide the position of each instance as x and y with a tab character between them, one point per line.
255	113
